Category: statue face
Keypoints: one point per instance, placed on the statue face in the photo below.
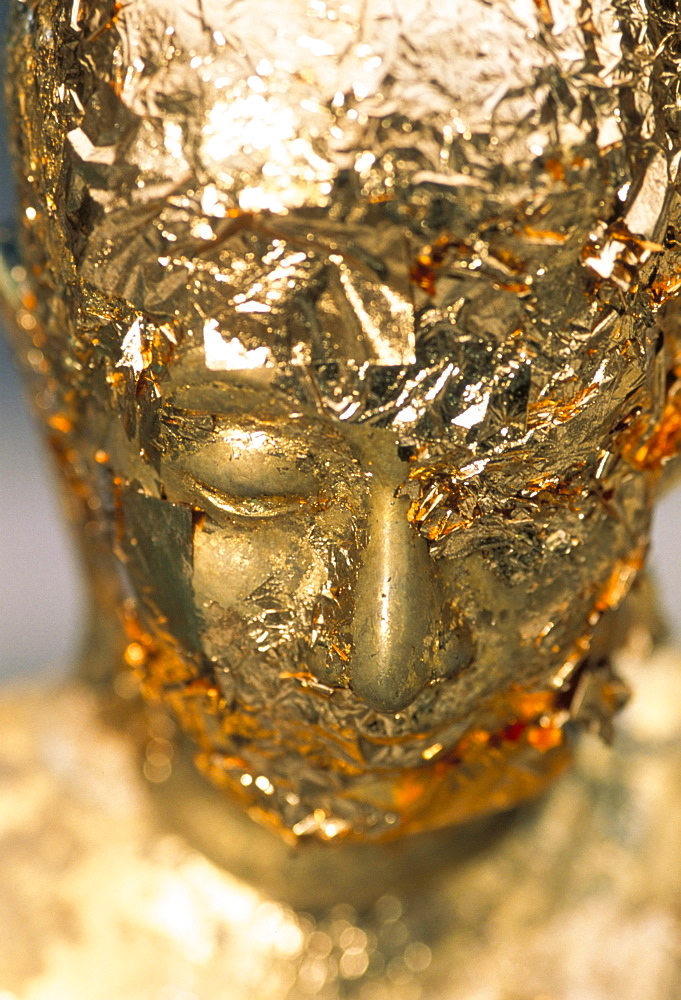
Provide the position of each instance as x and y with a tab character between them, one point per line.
353	349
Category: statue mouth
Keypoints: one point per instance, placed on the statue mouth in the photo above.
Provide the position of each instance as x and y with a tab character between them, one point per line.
382	784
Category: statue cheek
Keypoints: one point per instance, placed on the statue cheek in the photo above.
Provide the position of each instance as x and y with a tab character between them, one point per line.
268	573
157	554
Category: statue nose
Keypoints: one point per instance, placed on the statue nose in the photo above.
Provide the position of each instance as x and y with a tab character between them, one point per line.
397	606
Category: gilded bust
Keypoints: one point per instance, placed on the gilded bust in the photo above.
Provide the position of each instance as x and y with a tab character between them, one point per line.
352	326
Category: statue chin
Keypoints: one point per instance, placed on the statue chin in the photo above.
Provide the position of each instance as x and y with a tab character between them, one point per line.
361	380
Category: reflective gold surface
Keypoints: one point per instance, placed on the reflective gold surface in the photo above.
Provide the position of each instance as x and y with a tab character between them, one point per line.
353	330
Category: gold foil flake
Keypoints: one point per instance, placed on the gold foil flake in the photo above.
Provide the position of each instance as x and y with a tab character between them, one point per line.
230	355
132	350
88	152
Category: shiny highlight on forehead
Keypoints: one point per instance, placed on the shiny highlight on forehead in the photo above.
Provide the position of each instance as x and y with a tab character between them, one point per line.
456	247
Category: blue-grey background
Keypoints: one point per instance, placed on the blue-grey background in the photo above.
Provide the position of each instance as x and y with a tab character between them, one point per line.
40	602
39	599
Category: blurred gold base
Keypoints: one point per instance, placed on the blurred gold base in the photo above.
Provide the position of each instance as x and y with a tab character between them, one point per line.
115	888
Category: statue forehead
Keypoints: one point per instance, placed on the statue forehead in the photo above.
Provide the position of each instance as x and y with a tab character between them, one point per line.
267	107
273	101
344	135
267	174
383	50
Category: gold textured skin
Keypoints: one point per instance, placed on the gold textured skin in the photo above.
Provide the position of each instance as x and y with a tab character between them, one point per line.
353	329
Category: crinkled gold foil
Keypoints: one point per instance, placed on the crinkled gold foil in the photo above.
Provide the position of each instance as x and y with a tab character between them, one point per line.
297	271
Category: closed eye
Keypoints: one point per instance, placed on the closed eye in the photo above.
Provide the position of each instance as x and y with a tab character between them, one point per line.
251	472
270	505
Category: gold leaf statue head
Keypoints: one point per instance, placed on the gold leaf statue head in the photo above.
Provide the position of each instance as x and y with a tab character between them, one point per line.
352	324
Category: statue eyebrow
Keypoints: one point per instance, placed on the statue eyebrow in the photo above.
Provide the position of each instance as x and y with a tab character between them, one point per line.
214	395
201	425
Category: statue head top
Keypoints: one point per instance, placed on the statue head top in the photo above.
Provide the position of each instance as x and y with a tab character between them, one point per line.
353	326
